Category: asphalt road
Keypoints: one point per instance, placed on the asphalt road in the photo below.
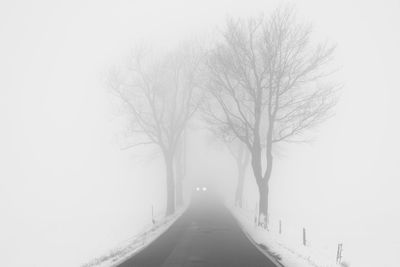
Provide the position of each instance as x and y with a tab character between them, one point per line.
206	235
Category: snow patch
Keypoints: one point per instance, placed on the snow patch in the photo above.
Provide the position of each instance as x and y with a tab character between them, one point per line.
136	243
285	252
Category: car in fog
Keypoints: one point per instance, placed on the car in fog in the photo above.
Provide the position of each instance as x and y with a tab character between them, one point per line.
201	188
200	192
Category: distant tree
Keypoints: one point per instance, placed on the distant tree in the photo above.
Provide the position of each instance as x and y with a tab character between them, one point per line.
238	151
180	169
160	93
242	158
266	86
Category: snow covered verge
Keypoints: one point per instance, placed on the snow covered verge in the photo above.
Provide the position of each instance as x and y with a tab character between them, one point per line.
281	250
136	243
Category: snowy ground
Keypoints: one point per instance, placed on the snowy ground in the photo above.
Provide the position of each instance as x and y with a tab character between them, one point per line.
287	252
134	244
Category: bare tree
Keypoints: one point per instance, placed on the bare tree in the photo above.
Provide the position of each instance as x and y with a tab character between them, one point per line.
242	158
180	168
238	151
265	86
160	94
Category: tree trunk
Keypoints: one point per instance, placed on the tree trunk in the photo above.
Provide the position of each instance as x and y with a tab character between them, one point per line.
256	165
170	184
179	177
263	189
239	188
180	169
262	182
179	191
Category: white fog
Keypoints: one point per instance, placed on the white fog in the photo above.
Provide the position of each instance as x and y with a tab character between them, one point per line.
69	192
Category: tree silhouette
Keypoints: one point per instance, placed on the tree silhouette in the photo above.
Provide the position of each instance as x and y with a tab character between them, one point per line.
160	93
266	86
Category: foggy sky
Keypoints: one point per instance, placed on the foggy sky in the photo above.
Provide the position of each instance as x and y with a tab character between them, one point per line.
63	176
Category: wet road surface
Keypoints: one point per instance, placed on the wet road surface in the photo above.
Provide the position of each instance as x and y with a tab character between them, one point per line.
206	235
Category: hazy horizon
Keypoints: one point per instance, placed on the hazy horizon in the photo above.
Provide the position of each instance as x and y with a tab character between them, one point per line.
68	191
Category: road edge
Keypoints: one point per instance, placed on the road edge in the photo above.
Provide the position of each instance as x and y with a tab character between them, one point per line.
175	217
255	244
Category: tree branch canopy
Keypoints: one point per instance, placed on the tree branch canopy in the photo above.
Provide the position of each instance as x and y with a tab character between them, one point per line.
267	83
265	75
161	93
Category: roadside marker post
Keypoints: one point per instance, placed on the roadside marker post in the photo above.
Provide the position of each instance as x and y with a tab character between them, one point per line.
304	237
280	227
339	253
